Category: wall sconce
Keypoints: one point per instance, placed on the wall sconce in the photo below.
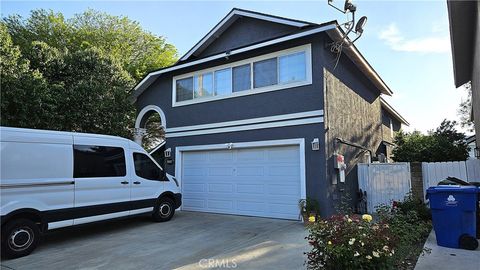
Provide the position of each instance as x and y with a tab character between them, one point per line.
229	146
168	152
315	144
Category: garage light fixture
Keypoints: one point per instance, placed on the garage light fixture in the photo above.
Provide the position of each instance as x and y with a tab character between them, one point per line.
477	152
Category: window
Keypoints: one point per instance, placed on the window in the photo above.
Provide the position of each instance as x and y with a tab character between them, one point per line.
269	72
185	89
98	161
223	81
292	68
203	85
146	168
241	78
265	73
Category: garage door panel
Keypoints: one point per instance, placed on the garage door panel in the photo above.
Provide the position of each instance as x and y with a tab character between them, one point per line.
220	204
228	188
192	187
251	188
193	203
250	170
284	190
251	206
220	171
252	181
283	171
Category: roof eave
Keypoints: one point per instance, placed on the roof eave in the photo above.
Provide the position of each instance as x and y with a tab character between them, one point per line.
393	112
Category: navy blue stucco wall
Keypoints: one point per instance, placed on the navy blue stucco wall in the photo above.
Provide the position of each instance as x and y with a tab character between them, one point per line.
285	101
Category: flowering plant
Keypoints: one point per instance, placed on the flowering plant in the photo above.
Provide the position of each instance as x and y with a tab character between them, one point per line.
350	242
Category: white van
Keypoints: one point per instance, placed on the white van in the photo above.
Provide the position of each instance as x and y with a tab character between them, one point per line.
52	179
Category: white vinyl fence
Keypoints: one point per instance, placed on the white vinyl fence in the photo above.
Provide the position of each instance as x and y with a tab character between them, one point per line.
434	172
384	182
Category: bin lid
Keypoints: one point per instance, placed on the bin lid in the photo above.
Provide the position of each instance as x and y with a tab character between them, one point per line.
453	188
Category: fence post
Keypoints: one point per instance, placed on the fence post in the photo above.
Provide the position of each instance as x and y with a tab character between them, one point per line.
417	180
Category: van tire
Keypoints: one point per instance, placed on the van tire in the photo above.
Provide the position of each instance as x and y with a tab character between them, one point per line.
19	238
163	210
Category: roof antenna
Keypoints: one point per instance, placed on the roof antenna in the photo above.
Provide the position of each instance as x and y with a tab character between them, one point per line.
348	7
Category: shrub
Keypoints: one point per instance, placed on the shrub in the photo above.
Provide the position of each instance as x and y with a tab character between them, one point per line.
411	203
408	220
343	242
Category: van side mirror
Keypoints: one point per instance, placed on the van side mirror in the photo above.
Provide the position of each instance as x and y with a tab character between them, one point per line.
163	175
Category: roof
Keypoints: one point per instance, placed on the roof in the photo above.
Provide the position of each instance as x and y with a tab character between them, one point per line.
463	17
393	112
305	29
470	139
229	19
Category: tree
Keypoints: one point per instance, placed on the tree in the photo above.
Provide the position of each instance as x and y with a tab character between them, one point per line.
76	74
465	110
443	144
137	50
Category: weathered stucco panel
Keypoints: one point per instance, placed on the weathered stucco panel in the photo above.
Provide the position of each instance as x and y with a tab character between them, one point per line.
352	117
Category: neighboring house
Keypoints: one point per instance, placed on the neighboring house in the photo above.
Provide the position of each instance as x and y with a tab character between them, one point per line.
392	122
465	38
255	112
471	147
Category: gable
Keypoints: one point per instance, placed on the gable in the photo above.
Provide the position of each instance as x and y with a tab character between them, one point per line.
245	31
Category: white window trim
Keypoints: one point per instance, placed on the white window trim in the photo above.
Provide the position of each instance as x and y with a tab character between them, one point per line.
236	145
308	61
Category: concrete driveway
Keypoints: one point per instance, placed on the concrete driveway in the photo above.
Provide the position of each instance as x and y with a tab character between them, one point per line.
189	241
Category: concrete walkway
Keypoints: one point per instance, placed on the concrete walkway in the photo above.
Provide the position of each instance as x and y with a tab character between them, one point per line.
189	241
442	258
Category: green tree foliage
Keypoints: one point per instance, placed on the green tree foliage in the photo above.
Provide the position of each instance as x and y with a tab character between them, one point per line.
75	74
443	144
465	110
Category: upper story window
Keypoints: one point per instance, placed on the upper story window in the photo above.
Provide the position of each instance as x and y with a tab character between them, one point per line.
274	71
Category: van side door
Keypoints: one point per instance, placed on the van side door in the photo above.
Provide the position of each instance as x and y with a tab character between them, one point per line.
102	184
148	182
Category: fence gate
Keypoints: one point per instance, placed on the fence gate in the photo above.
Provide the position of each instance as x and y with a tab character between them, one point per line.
384	182
434	172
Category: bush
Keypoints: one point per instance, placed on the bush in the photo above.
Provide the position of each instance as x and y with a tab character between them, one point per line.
343	242
410	222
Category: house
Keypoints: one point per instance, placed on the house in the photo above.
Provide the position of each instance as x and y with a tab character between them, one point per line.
257	117
464	22
471	146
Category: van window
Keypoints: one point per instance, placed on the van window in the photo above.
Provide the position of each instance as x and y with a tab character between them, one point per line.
98	161
145	167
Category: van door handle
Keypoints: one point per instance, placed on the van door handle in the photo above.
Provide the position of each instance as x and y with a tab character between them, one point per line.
137	182
124	182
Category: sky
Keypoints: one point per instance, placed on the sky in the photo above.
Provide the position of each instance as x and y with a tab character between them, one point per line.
406	42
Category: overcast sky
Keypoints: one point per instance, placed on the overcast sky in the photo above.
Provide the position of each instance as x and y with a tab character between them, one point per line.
407	42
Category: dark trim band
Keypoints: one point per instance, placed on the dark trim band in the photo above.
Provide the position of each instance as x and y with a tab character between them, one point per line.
25	185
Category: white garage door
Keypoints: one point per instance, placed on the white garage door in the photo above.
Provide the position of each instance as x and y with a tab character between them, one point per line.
261	182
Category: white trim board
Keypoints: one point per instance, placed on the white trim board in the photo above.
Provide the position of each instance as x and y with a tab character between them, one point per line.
249	121
287	123
233	13
306	48
222	146
237	51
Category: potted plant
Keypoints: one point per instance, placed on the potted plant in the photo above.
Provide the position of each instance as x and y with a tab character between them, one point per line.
309	210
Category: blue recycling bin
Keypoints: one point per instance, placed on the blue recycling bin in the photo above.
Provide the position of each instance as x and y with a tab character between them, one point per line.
453	213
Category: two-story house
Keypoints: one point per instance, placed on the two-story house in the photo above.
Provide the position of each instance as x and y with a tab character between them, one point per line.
256	113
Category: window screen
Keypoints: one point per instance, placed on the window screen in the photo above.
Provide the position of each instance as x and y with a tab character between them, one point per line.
98	161
145	167
265	73
223	81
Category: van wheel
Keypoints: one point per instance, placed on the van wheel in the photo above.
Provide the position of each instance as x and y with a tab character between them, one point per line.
19	238
163	210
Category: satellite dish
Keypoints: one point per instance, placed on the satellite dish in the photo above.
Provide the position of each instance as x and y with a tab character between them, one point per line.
349	6
361	24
